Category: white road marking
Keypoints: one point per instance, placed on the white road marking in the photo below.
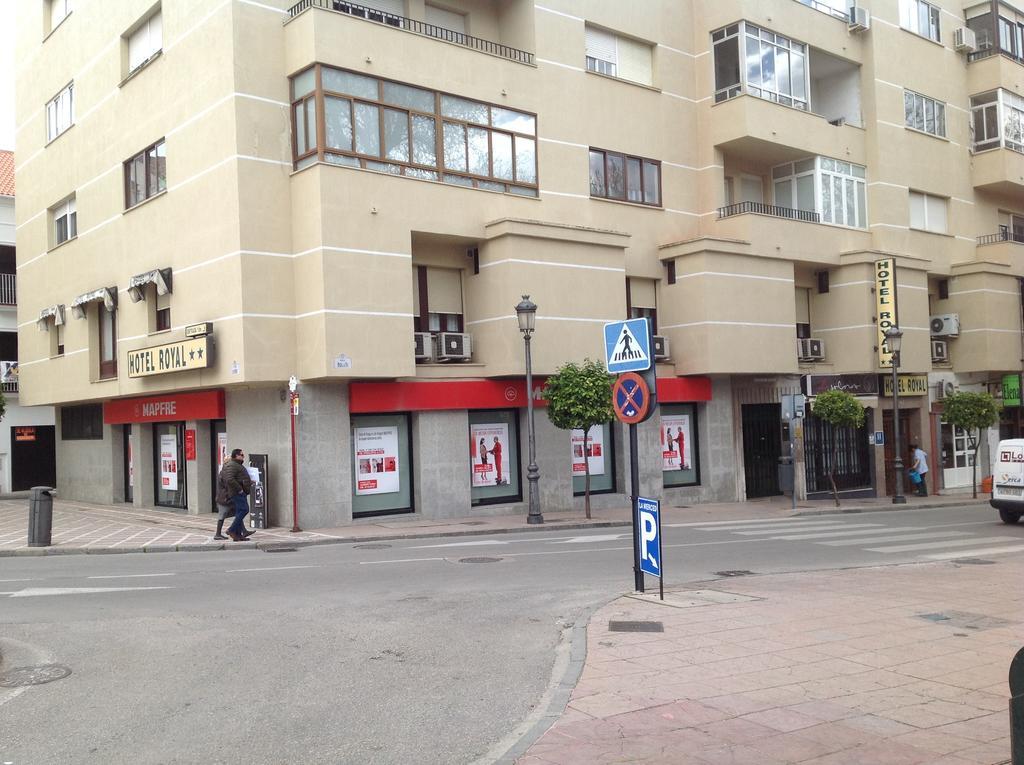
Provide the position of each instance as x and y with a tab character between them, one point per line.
835	527
936	545
782	527
126	576
894	538
15	580
268	568
397	560
828	534
727	523
594	538
34	592
468	544
974	553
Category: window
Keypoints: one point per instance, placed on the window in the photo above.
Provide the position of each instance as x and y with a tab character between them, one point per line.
65	222
617	56
680	450
161	311
803	312
446	20
822	282
60	113
59	10
107	332
381	464
57	340
630	179
774	66
834	189
924	114
145	174
920	17
927	212
642	300
943	289
437	299
405	130
600	451
997	120
81	422
494	469
145	41
793	185
670	272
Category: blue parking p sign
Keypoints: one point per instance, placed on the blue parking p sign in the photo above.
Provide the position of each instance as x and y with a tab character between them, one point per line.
649	522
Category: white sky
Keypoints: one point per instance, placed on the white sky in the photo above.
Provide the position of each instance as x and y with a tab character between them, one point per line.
7	73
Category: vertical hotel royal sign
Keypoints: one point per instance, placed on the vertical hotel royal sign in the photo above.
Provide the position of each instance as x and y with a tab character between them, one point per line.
885	307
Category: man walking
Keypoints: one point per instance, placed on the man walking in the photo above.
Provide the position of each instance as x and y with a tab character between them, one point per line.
920	464
233	484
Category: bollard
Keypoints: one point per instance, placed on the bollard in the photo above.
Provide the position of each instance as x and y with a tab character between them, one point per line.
40	516
1017	709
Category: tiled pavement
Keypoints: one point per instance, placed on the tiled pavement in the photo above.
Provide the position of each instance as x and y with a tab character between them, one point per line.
901	665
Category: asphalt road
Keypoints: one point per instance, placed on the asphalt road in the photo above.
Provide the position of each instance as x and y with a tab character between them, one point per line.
400	653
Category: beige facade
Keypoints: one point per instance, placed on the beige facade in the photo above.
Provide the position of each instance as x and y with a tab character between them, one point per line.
295	208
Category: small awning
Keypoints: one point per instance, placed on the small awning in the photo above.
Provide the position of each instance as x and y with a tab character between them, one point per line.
55	312
161	277
107	294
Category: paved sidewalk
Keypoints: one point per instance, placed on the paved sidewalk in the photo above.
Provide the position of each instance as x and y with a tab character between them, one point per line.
902	665
80	527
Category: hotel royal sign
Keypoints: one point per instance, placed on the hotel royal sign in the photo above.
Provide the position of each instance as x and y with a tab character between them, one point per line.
181	356
885	306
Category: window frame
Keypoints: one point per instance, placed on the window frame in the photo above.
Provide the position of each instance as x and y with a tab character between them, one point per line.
909	108
51	24
319	152
145	23
925	197
83	422
147	174
65	210
58	131
107	366
644	161
934	14
741	34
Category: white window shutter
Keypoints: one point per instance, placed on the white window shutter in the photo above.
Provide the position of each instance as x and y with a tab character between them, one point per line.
395	7
936	213
642	293
917	210
635	61
156	33
601	45
444	290
138	46
439	17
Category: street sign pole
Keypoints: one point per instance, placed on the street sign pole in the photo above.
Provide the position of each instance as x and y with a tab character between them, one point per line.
634	490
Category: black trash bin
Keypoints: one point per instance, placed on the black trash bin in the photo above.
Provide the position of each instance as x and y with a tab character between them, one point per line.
40	516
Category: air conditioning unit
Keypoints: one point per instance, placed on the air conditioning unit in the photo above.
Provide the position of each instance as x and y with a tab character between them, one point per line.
660	348
810	349
940	350
453	346
965	40
943	389
424	343
860	19
945	325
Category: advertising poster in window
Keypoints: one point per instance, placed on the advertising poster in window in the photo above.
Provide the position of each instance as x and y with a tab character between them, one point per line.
595	451
489	453
377	460
676	442
169	462
222	448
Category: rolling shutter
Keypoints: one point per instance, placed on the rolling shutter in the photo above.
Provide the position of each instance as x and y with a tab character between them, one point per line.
601	45
439	17
635	61
444	290
642	293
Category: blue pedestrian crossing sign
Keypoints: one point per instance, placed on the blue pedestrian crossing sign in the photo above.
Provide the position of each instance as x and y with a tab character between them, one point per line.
627	346
649	522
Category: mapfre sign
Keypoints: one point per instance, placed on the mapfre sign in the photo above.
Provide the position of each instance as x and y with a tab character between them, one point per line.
193	353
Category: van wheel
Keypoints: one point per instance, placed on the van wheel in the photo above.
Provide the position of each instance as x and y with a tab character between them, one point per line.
1009	516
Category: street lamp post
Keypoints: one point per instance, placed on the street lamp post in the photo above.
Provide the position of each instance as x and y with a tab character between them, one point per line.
526	312
894	336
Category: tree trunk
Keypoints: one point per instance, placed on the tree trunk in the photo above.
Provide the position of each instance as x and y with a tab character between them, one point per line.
586	473
831	467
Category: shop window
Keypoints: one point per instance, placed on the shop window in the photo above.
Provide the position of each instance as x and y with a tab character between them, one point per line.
81	423
601	454
680	452
381	465
169	465
494	457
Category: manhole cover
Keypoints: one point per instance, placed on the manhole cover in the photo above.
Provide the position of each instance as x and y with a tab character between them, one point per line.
974	562
737	572
614	626
479	560
280	549
370	547
38	675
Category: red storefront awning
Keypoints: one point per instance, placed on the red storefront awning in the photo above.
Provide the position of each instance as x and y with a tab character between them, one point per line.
372	398
170	407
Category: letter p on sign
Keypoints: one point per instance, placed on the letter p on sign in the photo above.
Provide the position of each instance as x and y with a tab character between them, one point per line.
649	521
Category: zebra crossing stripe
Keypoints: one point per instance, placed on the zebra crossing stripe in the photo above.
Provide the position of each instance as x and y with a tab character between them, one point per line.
974	553
834	528
830	534
895	538
788	527
946	543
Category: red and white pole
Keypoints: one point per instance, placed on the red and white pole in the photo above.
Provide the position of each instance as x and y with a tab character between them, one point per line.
293	405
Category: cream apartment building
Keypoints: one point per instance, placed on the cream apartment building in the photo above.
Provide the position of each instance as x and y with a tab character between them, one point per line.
358	195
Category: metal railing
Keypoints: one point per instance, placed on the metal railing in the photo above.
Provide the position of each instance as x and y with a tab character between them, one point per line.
993	50
8	289
1002	236
417	27
760	208
826	9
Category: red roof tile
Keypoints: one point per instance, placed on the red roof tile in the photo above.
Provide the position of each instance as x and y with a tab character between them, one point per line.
6	173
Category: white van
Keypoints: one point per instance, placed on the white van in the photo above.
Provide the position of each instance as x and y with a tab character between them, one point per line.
1008	480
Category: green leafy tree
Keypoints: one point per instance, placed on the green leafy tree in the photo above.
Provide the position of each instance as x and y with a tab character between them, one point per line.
840	410
973	412
579	397
3	406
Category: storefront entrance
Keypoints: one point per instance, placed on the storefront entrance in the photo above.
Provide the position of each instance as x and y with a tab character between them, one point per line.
762	446
890	451
169	465
219	450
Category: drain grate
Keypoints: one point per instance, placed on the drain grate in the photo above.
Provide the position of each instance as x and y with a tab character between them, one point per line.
280	549
371	547
735	572
479	560
974	562
616	626
19	677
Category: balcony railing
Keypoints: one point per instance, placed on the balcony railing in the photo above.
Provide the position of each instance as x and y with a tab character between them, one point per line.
1002	236
9	376
8	289
417	27
760	208
825	8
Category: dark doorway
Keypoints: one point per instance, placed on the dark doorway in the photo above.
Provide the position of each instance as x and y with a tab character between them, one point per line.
219	450
890	449
129	466
762	446
853	455
33	457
